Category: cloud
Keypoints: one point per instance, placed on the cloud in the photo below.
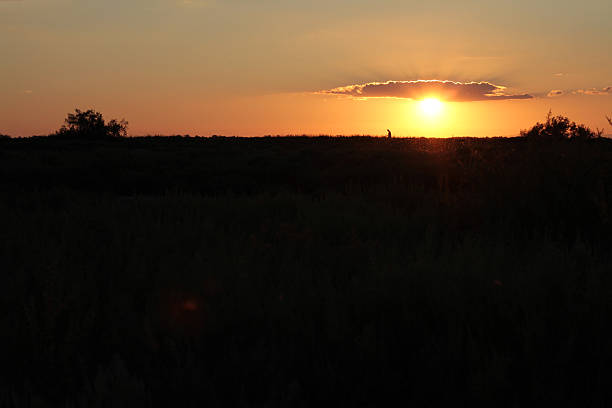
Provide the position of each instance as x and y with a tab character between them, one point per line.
590	91
594	91
446	90
555	92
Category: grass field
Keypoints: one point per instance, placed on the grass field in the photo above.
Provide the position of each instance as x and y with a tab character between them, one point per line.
305	272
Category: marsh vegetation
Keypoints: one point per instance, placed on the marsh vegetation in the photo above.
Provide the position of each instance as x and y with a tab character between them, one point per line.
305	272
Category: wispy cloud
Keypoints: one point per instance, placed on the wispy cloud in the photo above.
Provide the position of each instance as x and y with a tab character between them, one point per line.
446	90
594	91
555	93
590	91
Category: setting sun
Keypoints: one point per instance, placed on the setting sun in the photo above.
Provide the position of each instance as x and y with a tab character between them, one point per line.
431	106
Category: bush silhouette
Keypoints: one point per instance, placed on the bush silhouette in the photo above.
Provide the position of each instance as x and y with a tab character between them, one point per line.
3	136
560	128
609	120
90	124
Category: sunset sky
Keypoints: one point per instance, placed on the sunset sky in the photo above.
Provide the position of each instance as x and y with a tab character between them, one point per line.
245	67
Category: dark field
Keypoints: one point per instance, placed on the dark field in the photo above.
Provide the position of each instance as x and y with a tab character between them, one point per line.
290	272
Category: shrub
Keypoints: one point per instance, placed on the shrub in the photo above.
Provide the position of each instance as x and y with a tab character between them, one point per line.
560	128
3	136
91	125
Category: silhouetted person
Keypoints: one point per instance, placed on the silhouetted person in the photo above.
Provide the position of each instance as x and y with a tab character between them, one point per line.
388	133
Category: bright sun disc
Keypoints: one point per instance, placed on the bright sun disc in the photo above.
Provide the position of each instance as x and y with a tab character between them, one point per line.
431	106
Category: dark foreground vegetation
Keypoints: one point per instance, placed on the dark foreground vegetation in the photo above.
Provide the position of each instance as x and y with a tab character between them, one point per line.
288	272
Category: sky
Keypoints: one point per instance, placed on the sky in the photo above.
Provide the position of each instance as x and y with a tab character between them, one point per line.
246	67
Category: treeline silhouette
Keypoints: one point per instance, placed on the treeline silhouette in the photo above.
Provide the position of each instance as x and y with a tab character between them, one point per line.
561	128
90	125
305	271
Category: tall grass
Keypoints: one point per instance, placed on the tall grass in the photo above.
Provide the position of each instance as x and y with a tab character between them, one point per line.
299	272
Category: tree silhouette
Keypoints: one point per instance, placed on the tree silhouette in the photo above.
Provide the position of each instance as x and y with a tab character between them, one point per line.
560	128
90	124
609	120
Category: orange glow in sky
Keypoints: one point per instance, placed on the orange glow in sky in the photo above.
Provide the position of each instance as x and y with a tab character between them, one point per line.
249	68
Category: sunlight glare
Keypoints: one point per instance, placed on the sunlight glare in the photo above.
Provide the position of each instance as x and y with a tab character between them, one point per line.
431	106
